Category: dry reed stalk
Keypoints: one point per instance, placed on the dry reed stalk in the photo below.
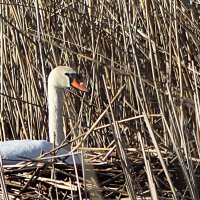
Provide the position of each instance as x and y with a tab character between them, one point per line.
2	181
148	53
130	184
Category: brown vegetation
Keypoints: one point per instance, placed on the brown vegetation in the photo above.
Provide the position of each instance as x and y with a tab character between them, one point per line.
139	126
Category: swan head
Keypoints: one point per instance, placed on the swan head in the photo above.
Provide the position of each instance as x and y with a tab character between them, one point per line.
65	77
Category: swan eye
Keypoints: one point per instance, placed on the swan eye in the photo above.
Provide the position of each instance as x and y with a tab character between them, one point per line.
74	76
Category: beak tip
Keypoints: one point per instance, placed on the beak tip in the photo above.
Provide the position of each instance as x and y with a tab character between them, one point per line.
85	89
80	86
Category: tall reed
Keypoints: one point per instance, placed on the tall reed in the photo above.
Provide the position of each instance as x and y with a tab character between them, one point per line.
141	61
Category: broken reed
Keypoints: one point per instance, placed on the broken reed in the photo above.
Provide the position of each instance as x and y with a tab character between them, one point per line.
148	48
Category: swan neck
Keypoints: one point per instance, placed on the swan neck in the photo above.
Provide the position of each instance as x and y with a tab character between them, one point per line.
55	103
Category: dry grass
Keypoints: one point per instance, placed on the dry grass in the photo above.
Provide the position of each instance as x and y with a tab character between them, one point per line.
140	124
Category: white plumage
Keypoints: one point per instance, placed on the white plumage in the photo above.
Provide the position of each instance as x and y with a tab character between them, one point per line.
15	151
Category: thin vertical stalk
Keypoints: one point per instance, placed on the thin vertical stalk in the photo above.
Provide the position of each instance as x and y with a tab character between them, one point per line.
38	18
3	135
2	182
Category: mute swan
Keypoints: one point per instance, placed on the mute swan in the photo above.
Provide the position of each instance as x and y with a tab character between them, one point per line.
60	78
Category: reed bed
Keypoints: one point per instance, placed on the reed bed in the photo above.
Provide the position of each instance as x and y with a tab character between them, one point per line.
138	128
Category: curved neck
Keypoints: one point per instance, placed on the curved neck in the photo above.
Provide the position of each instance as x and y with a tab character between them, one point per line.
55	103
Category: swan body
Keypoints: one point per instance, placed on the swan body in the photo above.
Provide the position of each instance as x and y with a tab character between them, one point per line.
14	151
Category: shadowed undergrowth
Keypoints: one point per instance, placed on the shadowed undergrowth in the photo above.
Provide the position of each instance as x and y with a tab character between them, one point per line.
139	126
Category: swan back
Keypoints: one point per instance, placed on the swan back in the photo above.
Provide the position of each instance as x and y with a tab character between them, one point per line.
13	151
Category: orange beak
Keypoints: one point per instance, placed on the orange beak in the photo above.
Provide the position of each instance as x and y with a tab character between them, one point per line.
79	85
